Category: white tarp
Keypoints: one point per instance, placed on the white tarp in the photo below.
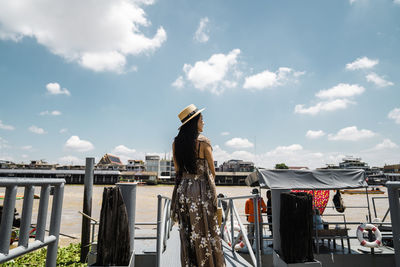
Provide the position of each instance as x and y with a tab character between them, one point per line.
308	179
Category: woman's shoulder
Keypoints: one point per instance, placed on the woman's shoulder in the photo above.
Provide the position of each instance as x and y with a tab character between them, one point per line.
202	138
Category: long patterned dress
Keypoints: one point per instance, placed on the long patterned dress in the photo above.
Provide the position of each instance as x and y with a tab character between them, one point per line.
196	205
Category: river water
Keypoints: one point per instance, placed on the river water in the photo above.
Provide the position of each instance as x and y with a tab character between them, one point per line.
146	206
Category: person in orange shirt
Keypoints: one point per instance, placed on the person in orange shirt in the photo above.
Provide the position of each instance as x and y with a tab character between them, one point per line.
249	210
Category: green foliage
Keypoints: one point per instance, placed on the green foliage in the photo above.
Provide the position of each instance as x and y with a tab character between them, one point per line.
66	256
281	166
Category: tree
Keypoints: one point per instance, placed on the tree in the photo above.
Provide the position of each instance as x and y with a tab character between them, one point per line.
281	166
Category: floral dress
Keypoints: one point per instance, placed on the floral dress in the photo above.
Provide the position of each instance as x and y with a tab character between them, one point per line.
196	205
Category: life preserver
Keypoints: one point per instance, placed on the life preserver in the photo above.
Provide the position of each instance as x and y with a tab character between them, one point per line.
375	230
227	236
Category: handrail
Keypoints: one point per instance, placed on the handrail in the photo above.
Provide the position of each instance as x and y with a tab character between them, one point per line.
163	226
394	204
232	211
24	246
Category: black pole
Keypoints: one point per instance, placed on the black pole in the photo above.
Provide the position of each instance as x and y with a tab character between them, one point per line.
87	208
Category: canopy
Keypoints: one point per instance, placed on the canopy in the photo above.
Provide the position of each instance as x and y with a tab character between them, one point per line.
308	179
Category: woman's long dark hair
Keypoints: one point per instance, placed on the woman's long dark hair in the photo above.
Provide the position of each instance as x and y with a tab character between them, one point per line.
185	146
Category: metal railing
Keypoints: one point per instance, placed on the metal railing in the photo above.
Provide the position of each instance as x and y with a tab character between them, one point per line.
24	246
394	204
231	210
164	225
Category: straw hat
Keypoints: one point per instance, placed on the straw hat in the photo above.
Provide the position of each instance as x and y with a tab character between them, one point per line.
189	113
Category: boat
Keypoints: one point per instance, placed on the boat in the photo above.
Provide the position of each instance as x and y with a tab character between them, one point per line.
361	191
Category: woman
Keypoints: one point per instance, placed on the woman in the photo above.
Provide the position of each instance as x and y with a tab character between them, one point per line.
194	201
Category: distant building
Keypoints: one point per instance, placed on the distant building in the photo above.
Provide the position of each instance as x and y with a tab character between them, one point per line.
5	164
110	162
350	162
135	165
167	170
153	164
391	168
235	165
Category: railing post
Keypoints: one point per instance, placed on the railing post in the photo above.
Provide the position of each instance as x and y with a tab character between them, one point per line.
7	218
232	230
55	222
394	204
87	208
26	216
257	230
42	213
159	241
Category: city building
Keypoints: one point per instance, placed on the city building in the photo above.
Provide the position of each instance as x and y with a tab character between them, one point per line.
153	164
236	165
395	168
135	165
167	169
110	162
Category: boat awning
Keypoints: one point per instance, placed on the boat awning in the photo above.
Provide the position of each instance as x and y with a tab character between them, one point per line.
307	179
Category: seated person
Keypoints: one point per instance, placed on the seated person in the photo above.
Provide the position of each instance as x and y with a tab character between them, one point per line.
318	223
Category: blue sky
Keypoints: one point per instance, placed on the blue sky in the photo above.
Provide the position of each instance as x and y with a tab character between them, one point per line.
300	82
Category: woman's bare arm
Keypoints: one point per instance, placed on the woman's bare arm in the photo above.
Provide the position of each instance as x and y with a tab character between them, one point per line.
209	157
173	154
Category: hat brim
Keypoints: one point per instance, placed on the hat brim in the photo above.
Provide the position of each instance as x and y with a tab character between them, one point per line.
194	115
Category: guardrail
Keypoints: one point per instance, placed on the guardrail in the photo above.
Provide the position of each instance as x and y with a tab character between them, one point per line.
24	246
394	204
164	225
231	210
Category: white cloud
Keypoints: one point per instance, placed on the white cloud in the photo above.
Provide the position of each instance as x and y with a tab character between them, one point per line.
55	89
6	127
213	74
285	150
377	80
268	79
63	130
314	134
75	143
28	147
36	130
111	29
179	82
202	31
238	142
25	156
330	105
351	134
71	160
396	2
225	133
386	144
121	149
125	153
362	63
52	113
395	115
341	90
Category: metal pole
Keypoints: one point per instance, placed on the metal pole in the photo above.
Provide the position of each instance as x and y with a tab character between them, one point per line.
257	230
42	213
232	230
369	210
394	205
159	243
26	216
87	208
55	222
7	218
